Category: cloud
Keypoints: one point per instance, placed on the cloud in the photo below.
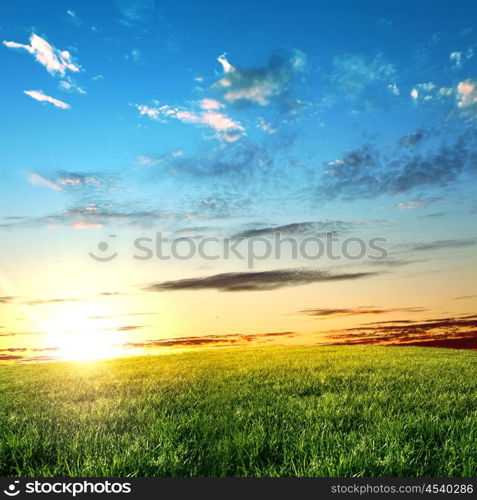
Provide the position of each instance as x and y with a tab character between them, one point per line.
38	180
70	86
7	299
465	297
456	58
210	104
412	204
429	92
91	216
414	140
226	128
134	12
73	17
41	302
355	76
367	171
148	161
265	126
443	244
38	95
64	181
255	281
57	62
209	340
247	86
454	332
467	94
298	229
324	313
134	55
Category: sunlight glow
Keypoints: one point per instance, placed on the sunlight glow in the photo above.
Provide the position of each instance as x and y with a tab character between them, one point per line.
81	334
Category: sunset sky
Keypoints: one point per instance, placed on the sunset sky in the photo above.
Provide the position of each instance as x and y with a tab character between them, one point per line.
122	119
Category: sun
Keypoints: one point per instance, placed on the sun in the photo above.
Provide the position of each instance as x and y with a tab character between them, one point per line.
81	332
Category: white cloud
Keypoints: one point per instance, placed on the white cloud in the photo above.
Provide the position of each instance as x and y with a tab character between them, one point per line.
265	126
134	55
430	92
411	204
54	60
153	113
73	17
210	104
148	161
40	96
456	58
82	224
227	67
466	94
38	180
226	128
394	89
70	86
259	85
445	91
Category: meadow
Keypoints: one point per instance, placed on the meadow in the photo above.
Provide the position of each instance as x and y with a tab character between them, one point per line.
306	411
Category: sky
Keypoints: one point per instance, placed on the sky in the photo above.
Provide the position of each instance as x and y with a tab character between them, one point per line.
156	153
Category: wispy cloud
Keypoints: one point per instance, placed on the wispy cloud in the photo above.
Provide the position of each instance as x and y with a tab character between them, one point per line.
57	62
356	76
324	313
71	86
64	181
298	229
444	244
256	281
209	340
225	127
73	17
90	216
38	180
38	95
134	12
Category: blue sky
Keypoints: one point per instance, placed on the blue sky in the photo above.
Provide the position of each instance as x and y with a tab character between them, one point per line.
217	118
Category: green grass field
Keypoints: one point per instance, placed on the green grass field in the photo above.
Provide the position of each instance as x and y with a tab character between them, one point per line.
315	411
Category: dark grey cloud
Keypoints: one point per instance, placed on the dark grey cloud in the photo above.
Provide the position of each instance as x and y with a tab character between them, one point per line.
368	172
413	140
298	229
256	281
